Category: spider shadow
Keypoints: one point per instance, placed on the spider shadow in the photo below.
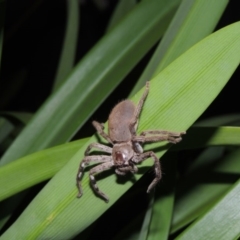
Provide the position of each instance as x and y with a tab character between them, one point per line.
125	178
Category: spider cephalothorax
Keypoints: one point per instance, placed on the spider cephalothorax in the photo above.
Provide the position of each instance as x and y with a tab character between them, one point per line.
127	150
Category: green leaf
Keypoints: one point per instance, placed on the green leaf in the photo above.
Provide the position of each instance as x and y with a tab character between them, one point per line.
191	27
178	96
92	80
222	221
122	8
225	120
69	44
35	168
196	197
23	117
147	219
194	20
5	128
164	200
210	136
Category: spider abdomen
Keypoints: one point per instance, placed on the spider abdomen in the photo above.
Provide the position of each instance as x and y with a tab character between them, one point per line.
118	121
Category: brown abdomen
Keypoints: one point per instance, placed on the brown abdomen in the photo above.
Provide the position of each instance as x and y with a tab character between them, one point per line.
118	121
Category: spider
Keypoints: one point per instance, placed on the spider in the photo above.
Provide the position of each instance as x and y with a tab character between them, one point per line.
127	150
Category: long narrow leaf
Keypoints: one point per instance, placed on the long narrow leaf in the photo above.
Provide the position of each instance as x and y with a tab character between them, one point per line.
69	44
122	8
164	200
221	222
35	168
194	20
210	136
199	195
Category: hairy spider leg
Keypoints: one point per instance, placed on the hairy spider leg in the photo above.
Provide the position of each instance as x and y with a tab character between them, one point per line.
163	132
96	170
134	122
99	146
157	167
85	162
100	127
172	137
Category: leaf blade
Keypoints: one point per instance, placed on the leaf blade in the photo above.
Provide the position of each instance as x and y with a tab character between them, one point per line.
35	168
194	20
69	48
221	222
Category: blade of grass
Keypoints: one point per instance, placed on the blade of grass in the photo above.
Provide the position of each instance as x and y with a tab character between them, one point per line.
210	193
210	136
203	16
19	116
197	197
230	119
92	80
222	221
164	200
186	88
194	20
35	168
190	206
6	128
69	48
207	157
206	136
147	219
122	8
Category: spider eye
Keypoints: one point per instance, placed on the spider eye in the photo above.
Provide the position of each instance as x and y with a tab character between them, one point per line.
120	156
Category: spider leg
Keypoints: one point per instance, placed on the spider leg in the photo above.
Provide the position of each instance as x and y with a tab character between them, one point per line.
85	162
96	170
137	147
100	127
163	132
134	122
157	167
159	135
99	146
